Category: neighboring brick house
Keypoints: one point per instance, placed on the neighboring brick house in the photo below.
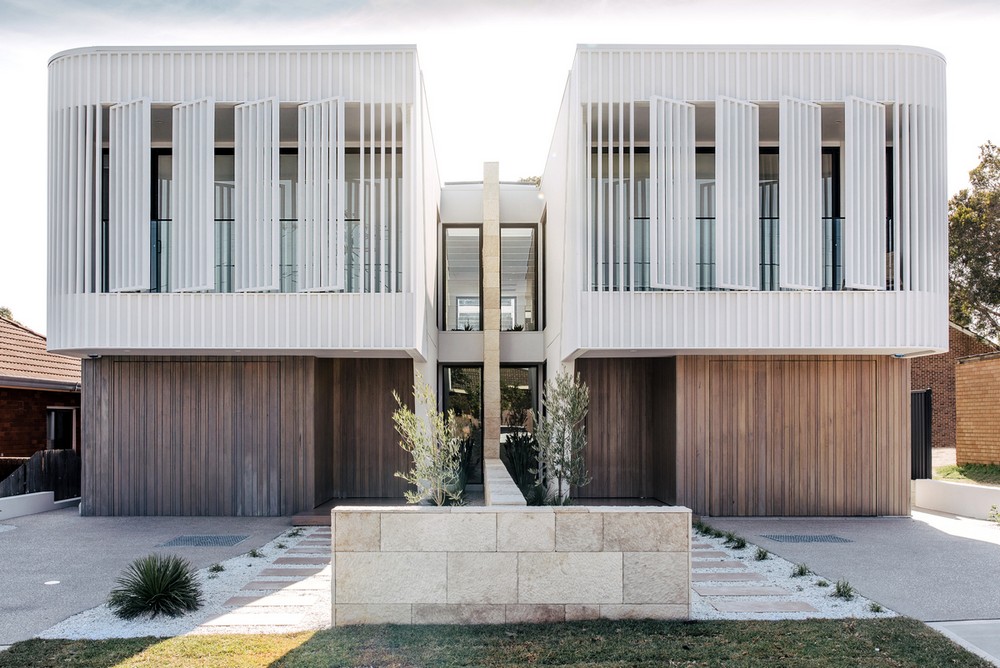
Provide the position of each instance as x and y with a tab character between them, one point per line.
937	372
977	393
39	394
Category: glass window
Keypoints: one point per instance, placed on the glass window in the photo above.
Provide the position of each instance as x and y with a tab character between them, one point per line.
704	162
769	223
463	394
833	250
288	172
518	279
462	278
159	227
225	189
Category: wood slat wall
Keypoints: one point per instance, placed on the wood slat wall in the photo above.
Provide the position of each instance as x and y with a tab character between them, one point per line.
622	434
198	436
359	451
238	435
786	435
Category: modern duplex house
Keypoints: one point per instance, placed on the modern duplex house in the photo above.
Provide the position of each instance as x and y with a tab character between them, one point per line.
737	248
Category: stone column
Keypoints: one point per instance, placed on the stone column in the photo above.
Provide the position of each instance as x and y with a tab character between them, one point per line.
491	310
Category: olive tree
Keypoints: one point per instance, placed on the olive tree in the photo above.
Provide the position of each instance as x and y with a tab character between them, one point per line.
560	434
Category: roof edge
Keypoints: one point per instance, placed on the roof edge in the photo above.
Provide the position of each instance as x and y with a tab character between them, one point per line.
905	48
280	48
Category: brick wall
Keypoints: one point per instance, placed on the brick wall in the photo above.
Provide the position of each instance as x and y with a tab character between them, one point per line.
22	419
977	399
937	372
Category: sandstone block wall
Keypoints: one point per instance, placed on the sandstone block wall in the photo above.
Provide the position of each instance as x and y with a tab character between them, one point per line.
493	565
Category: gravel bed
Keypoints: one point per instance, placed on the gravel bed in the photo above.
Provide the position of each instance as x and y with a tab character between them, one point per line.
217	588
777	573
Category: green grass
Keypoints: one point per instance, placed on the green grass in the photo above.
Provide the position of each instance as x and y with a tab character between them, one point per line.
892	642
979	474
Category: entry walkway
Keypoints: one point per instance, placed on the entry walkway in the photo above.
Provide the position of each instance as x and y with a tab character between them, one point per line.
933	567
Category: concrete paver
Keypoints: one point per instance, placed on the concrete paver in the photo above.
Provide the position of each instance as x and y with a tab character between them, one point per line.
762	606
86	554
981	637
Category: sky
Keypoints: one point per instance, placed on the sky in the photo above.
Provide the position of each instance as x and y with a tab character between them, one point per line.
494	71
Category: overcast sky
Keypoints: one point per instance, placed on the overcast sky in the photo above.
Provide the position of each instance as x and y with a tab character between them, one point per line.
494	71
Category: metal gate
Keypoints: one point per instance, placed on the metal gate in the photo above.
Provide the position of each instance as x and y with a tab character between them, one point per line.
920	435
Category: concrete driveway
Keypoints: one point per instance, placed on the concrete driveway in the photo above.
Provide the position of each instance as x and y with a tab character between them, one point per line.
86	554
940	569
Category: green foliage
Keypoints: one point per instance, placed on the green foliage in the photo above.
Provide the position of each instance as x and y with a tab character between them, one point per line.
761	554
255	553
974	248
979	474
844	590
800	571
560	434
281	546
734	541
875	607
434	445
294	533
822	583
832	643
994	514
216	568
6	313
156	585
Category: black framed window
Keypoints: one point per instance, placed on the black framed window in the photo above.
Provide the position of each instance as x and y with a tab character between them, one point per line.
462	392
463	282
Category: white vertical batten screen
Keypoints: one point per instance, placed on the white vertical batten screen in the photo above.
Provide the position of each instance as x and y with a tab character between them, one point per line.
321	196
672	195
800	204
864	195
256	230
128	217
737	209
76	221
192	235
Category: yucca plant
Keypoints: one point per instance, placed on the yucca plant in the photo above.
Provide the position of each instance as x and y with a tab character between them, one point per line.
154	585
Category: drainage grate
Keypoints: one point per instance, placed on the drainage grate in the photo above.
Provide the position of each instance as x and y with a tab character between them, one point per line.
204	541
804	538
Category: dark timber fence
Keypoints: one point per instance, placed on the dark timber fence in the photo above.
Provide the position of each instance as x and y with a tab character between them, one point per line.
55	471
920	435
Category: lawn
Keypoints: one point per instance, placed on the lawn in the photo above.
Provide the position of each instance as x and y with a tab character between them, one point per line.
980	474
892	642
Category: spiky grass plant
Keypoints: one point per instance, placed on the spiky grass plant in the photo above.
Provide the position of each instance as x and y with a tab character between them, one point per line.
154	585
800	571
761	554
844	590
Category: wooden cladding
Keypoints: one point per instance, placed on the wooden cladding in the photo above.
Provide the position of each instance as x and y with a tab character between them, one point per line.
751	435
358	451
793	435
624	448
237	436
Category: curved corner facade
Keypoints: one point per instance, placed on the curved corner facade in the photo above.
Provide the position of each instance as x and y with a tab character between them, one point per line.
261	200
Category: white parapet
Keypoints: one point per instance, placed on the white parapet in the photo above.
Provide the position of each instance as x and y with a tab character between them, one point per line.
956	498
498	487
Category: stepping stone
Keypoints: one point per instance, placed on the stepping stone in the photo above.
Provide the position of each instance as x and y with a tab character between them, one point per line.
716	564
308	550
262	618
311	584
279	599
702	590
763	606
708	554
726	577
303	561
309	542
289	572
700	546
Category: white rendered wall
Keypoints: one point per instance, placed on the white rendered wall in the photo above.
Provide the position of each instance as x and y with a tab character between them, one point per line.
383	90
608	91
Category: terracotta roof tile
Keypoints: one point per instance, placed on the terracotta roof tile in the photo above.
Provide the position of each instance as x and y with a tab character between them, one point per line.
23	355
